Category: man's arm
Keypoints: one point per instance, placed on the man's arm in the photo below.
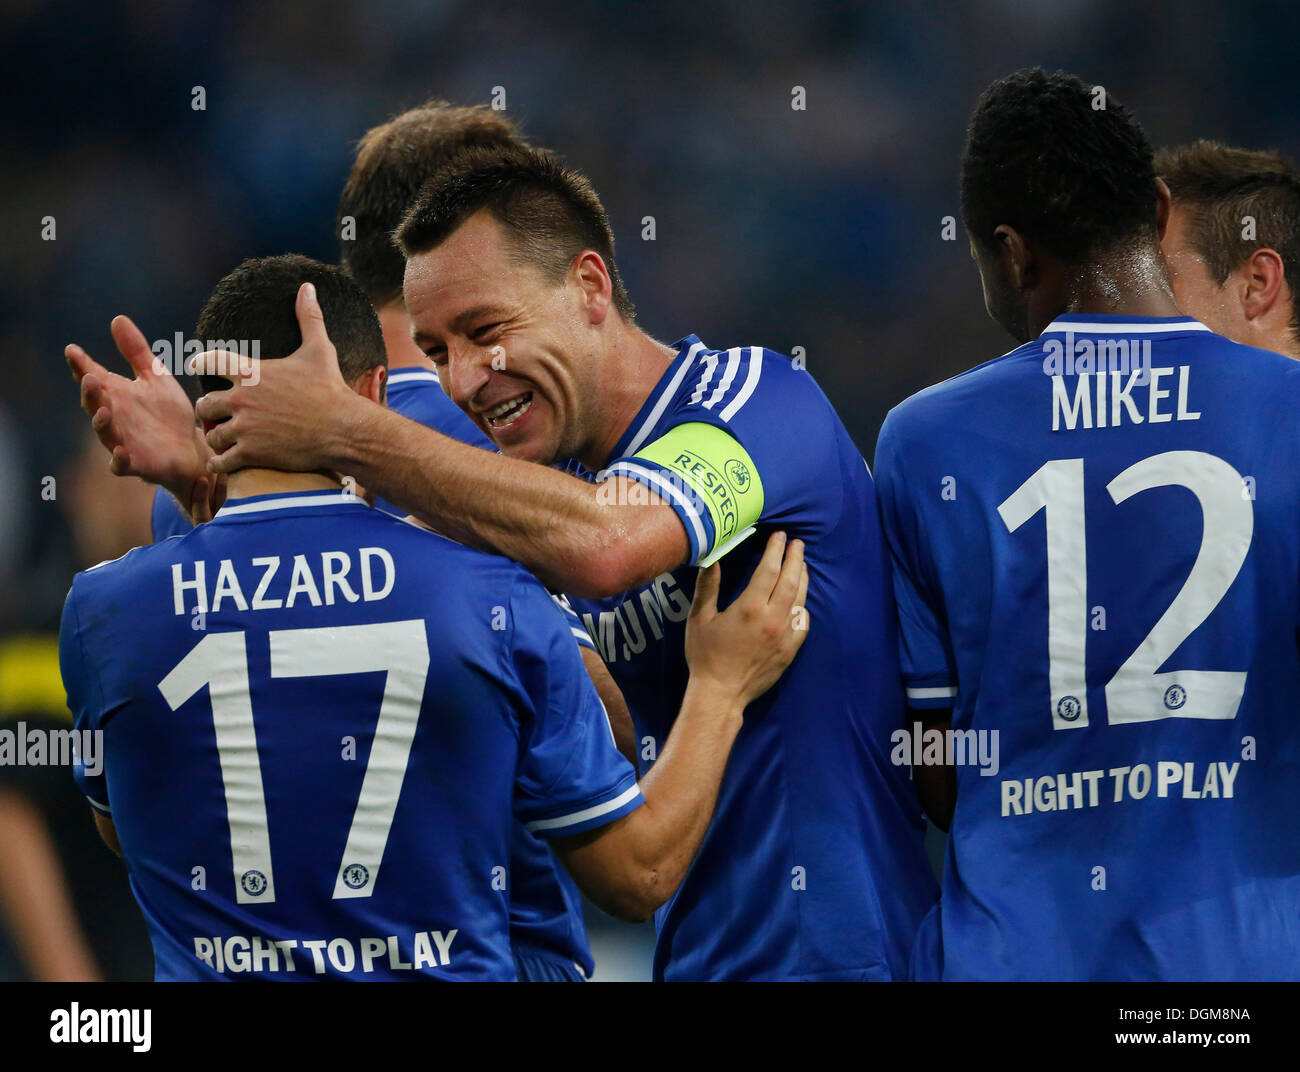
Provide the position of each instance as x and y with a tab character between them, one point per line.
107	832
635	864
611	696
591	540
35	900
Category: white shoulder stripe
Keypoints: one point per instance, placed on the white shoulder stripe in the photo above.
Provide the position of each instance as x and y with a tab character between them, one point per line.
665	488
710	363
594	812
729	377
664	398
751	381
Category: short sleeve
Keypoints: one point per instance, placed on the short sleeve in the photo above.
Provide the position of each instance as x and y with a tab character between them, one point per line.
929	673
570	776
85	703
743	443
572	621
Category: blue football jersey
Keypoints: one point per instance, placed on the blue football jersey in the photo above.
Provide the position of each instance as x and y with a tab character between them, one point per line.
321	726
1096	540
813	867
546	908
167	518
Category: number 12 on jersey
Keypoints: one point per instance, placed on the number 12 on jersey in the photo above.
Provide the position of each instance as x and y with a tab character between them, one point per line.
1139	691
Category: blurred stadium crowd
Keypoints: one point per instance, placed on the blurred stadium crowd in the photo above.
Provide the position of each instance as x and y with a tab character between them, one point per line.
815	228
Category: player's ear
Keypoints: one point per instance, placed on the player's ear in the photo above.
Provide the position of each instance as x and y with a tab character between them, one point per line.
1164	202
592	278
1264	277
372	384
1017	256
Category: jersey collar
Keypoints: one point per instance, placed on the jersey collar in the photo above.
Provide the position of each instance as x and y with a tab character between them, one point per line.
289	500
638	432
412	375
1113	324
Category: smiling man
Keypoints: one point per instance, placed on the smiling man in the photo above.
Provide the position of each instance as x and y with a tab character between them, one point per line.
1232	241
352	713
393	162
813	867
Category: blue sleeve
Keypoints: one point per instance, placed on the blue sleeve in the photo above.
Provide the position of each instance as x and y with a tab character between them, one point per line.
929	672
85	701
751	440
168	518
570	776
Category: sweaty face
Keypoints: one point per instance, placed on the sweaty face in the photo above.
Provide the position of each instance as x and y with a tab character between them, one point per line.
1195	290
512	347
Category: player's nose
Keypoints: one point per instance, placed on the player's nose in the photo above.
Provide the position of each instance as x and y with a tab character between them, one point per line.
465	374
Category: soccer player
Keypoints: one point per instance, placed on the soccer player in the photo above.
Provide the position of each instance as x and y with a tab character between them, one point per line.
393	161
1233	241
1097	555
318	720
813	867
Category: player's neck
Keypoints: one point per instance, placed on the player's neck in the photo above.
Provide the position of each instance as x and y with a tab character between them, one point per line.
402	352
249	482
1134	283
1277	337
630	371
1285	344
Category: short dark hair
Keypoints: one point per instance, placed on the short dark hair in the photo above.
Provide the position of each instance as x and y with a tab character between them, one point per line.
550	213
256	302
1062	162
393	161
1217	186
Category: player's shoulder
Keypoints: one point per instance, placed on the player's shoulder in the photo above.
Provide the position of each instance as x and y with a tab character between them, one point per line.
124	574
940	404
724	382
407	536
1267	364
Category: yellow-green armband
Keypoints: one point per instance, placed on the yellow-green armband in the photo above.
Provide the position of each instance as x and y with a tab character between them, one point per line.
708	478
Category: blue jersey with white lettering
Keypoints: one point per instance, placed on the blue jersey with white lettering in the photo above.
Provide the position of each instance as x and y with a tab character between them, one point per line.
320	727
1097	550
546	908
813	867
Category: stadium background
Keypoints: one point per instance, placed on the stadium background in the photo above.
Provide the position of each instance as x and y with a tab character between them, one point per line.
816	228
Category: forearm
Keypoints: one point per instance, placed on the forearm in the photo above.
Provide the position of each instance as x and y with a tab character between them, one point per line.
654	845
34	898
551	523
611	696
